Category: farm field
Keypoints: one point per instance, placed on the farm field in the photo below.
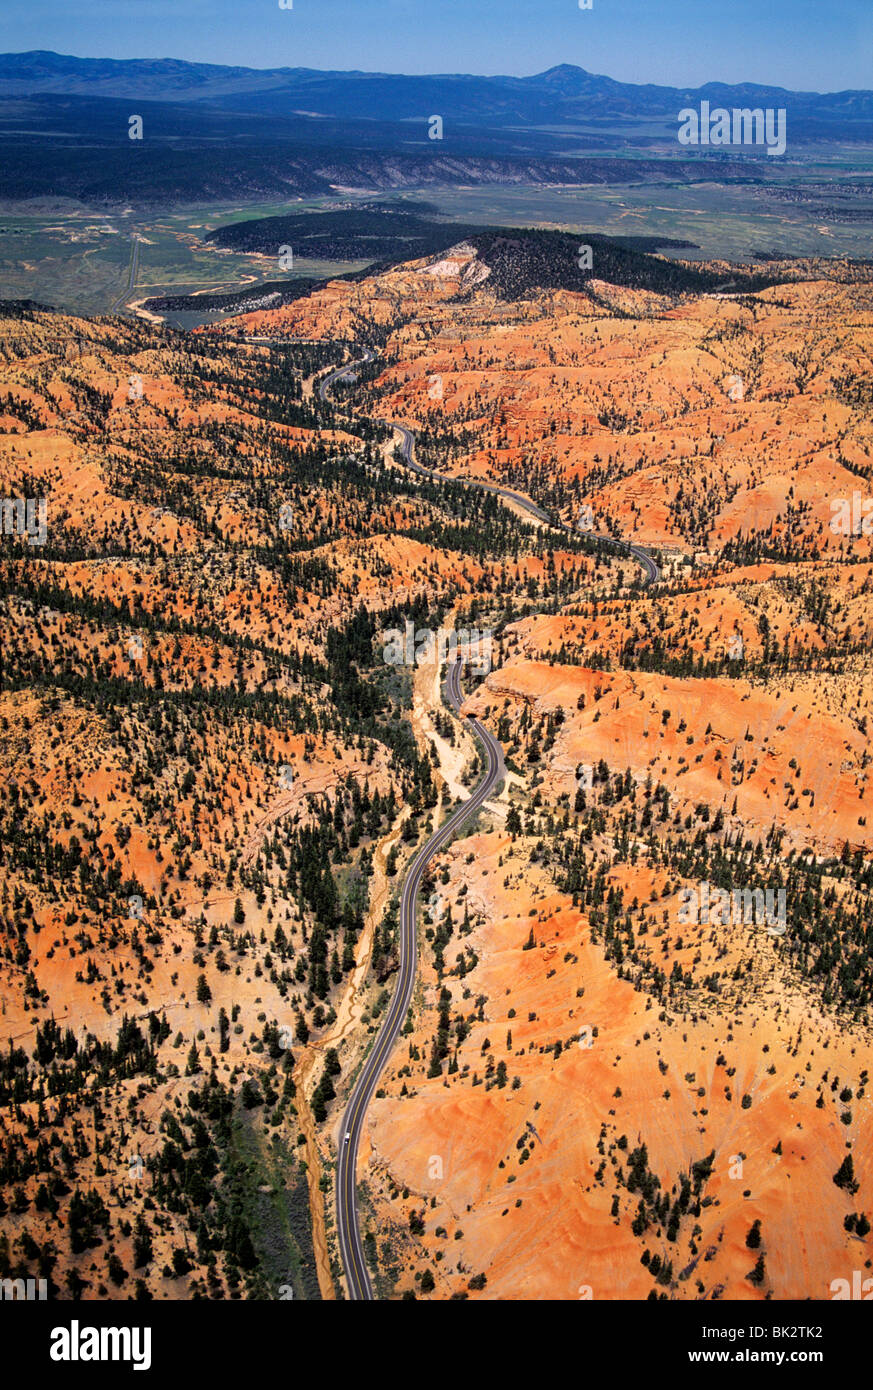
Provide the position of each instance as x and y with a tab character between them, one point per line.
77	259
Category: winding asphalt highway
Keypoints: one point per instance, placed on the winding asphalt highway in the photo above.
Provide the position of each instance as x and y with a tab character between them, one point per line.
348	1228
351	1249
407	449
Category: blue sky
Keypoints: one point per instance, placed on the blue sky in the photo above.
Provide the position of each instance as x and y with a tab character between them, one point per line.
803	44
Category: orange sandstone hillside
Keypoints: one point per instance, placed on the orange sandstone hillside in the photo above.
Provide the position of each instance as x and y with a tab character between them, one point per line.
591	1141
213	782
596	1096
716	418
216	784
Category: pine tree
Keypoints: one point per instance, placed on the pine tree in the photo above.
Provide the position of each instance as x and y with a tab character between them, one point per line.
142	1243
845	1175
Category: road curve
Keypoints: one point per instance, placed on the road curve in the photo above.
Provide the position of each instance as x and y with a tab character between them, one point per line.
348	1230
407	448
351	1249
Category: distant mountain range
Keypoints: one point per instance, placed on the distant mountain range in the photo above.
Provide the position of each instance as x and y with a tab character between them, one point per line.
563	94
213	133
